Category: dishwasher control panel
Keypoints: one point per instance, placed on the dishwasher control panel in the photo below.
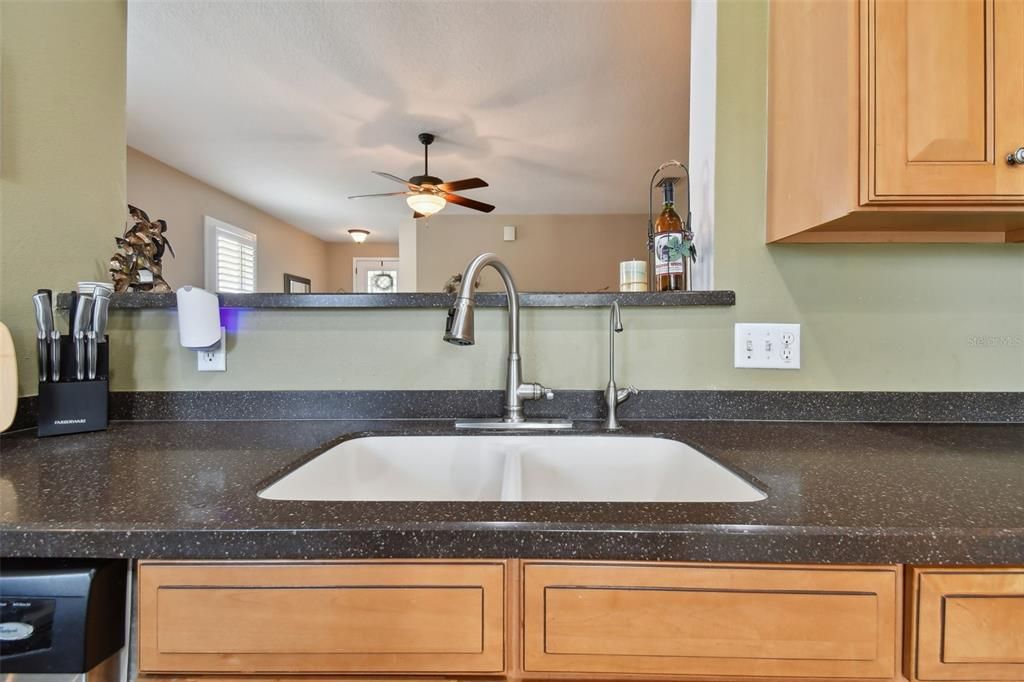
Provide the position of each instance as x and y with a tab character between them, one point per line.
61	616
26	624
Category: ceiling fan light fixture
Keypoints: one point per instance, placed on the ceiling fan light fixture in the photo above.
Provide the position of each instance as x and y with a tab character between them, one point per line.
359	236
426	203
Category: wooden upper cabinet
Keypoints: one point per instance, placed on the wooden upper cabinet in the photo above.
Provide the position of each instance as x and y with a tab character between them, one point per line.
892	120
946	99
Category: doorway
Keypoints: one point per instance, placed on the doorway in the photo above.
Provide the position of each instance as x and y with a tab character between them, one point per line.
375	275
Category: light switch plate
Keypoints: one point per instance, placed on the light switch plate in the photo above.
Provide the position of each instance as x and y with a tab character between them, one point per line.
510	233
767	345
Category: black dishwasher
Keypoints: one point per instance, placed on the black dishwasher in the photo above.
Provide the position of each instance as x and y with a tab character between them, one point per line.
63	617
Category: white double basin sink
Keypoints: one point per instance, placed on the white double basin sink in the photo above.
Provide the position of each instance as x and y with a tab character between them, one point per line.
502	468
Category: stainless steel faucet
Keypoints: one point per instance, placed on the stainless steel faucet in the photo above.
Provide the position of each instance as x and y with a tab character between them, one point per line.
613	397
459	330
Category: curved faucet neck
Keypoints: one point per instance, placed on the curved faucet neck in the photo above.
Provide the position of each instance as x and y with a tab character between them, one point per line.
466	291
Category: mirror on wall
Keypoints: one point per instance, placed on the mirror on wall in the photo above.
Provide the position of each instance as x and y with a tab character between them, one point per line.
547	120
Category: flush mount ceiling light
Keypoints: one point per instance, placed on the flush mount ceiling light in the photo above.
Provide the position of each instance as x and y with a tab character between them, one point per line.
359	236
427	194
426	203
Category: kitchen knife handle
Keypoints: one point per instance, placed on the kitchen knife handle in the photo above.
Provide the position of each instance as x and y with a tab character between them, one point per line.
91	335
97	327
55	354
80	355
44	325
80	325
41	343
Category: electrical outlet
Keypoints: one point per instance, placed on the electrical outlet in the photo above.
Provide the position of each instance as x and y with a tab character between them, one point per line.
770	346
214	359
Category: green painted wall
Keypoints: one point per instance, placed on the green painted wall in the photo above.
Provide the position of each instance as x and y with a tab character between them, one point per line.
63	153
874	317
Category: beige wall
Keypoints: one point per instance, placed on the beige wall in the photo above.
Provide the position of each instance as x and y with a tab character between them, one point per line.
62	176
183	201
878	317
550	253
339	260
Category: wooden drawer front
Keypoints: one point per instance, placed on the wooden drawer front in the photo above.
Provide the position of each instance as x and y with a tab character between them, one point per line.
966	624
402	617
678	619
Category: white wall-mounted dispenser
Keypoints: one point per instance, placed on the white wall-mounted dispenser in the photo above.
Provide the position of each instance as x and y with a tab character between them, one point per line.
199	327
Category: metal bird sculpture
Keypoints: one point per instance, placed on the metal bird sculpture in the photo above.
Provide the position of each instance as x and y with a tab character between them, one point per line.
136	264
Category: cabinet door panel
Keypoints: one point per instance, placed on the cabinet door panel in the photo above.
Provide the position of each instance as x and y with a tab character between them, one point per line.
945	100
984	629
966	624
321	617
707	620
949	96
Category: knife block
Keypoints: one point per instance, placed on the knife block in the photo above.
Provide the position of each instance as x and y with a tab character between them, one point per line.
70	406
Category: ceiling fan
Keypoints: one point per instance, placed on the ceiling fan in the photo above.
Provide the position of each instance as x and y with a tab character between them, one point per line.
428	194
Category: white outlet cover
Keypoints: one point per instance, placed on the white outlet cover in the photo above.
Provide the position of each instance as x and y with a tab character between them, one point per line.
214	359
767	345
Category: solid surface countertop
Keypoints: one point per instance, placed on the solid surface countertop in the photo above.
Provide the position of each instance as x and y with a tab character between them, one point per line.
950	494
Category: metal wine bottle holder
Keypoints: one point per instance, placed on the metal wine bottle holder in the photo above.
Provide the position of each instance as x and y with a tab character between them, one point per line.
687	226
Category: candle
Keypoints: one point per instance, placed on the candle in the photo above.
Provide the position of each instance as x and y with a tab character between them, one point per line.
633	275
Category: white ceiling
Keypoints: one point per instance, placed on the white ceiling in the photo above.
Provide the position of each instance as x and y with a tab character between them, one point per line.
562	106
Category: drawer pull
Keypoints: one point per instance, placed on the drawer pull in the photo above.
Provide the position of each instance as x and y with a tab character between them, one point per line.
1016	158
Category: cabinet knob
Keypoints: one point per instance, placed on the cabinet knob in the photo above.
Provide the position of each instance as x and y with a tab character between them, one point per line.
1016	158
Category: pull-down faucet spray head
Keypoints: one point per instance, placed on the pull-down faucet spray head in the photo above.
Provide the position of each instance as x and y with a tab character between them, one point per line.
459	329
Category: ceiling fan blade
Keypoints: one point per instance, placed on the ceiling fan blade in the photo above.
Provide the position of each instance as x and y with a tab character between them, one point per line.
417	215
457	185
469	203
386	194
389	176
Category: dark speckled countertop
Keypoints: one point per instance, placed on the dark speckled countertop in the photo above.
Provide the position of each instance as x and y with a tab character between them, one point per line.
849	493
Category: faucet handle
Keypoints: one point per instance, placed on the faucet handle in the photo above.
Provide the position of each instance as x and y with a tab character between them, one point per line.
623	394
535	392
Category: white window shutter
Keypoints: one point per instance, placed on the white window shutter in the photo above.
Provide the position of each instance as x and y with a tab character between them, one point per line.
230	258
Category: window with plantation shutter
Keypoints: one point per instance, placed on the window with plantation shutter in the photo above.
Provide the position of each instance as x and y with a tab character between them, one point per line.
230	258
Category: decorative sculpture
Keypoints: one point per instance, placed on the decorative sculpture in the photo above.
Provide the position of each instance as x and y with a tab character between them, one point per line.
135	265
453	283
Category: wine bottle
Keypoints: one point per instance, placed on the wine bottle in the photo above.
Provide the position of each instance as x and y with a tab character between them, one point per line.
671	244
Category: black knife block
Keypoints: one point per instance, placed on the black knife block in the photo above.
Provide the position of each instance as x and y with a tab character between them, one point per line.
70	406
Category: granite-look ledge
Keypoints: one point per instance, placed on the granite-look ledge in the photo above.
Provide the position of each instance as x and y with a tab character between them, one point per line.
143	301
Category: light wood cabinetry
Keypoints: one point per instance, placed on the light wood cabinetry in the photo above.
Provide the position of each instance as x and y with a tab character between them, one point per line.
696	620
892	120
570	620
330	617
965	624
